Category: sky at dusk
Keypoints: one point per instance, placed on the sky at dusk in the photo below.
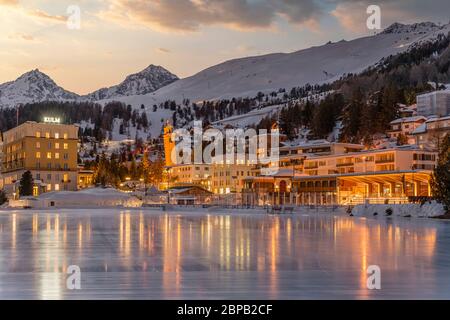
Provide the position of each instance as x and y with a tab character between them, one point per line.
119	37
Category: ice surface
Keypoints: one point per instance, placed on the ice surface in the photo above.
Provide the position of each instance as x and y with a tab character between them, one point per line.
155	255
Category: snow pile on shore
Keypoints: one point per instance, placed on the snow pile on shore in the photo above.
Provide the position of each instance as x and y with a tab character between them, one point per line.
429	209
94	197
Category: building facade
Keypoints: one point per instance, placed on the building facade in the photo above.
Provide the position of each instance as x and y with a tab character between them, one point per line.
434	103
432	132
47	150
349	178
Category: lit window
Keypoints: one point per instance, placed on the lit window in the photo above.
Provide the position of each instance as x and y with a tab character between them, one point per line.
56	155
66	177
38	145
56	187
56	145
49	187
47	135
66	146
56	135
49	155
38	134
38	155
66	135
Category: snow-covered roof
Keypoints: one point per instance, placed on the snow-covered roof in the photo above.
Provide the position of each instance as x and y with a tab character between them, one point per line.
409	119
420	129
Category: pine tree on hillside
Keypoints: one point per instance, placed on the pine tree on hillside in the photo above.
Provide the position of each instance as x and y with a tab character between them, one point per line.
26	184
351	118
440	182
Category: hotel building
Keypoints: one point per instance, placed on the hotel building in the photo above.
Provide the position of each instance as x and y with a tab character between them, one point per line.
348	178
47	150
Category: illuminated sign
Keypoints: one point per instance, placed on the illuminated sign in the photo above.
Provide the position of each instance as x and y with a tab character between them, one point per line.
52	120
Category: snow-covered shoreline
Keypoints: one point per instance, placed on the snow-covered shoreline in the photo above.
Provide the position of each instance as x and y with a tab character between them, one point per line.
427	210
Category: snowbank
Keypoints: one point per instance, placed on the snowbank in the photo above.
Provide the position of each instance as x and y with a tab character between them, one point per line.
429	210
94	197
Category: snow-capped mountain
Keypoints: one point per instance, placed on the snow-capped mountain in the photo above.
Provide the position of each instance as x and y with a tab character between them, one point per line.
316	65
239	77
148	80
33	86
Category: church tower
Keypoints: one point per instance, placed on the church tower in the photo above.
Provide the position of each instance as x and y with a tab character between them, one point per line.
169	144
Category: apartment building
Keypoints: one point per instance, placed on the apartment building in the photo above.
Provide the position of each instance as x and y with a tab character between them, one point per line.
190	174
47	150
405	126
434	103
430	133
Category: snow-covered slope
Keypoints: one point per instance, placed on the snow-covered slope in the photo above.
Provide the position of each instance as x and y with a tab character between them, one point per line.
316	65
33	86
148	80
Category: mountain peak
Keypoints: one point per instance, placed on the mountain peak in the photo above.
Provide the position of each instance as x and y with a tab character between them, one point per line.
146	81
424	27
32	86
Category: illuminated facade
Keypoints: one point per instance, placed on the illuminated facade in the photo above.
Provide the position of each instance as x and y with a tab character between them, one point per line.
350	178
47	150
169	144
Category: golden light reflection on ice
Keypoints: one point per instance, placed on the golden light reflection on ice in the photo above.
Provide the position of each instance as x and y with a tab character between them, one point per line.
174	245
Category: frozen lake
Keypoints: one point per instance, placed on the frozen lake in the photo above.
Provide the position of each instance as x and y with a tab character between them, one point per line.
153	255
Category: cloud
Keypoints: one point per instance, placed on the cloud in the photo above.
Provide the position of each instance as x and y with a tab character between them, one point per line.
191	15
44	15
352	15
21	36
163	50
9	2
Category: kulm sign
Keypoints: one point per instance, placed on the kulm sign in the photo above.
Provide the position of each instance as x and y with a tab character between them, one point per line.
52	120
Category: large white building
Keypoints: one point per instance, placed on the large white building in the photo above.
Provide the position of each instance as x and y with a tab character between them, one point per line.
434	103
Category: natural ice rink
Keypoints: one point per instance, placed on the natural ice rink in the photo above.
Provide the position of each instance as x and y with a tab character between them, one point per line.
156	255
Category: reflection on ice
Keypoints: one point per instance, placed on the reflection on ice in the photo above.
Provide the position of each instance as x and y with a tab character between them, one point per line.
145	254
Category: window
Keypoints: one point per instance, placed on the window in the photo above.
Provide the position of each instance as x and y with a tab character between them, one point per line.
38	134
38	155
56	155
49	145
66	178
66	146
66	167
38	165
49	176
66	156
56	187
38	176
66	135
49	165
56	145
49	155
56	137
38	145
49	187
47	135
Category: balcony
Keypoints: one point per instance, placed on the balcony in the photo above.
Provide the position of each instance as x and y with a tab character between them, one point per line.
345	164
380	161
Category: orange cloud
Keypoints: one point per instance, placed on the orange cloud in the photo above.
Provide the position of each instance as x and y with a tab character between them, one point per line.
8	2
191	15
44	15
